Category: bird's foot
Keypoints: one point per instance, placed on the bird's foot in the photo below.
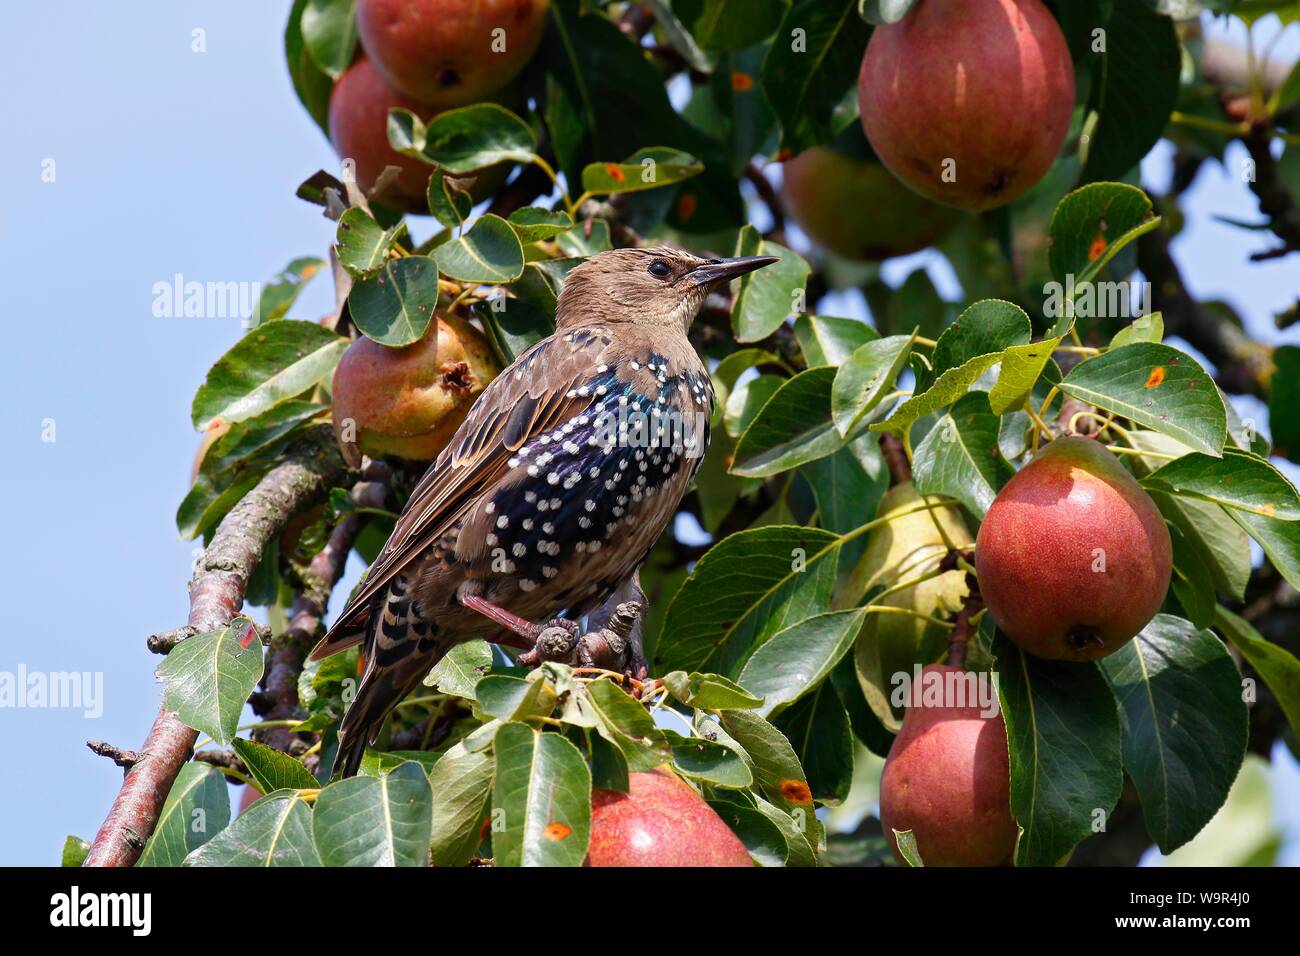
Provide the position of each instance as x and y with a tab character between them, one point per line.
556	641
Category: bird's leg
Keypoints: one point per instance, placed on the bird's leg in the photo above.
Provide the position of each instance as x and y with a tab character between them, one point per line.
527	631
603	618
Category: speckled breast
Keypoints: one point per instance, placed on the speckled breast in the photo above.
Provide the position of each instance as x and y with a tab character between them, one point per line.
584	502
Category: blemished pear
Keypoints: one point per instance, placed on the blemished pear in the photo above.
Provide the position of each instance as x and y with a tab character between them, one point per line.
1073	557
947	779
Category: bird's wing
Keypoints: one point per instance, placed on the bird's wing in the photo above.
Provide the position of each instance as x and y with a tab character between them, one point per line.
532	396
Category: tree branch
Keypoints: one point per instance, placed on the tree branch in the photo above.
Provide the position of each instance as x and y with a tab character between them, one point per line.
290	649
310	468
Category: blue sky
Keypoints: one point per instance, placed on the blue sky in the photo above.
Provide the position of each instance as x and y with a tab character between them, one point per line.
169	161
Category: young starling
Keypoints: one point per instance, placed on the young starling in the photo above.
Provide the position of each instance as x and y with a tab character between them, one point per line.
549	496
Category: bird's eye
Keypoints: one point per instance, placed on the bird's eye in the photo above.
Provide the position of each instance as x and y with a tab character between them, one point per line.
660	269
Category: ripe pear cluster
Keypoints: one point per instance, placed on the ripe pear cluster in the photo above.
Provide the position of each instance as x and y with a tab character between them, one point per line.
426	56
1073	560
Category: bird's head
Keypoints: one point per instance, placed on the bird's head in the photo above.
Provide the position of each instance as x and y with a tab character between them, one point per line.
662	286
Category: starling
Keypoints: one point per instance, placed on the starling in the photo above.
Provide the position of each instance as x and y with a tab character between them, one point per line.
549	496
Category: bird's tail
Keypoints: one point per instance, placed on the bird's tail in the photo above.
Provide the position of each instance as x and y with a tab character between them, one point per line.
400	648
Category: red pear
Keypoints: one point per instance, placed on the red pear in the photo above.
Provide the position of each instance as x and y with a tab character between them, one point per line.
947	776
968	101
451	52
408	402
661	821
358	127
820	184
1073	557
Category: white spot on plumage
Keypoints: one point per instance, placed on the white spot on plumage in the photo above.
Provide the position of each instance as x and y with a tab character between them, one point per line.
518	550
553	478
503	521
527	585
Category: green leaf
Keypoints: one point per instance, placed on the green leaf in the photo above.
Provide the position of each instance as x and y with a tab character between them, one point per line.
273	769
1090	226
363	244
1064	735
628	726
774	764
329	30
795	660
647	168
1237	480
535	224
1022	365
461	782
274	831
746	588
1184	723
906	841
207	678
1207	529
862	381
762	838
959	456
989	325
461	668
257	436
826	340
807	75
489	253
75	851
1279	539
469	138
282	291
608	766
710	762
766	298
1278	666
1135	90
395	306
1192	582
543	792
515	698
793	427
848	484
273	362
375	821
730	24
197	809
818	729
586	239
1145	328
1019	363
1284	397
449	204
709	691
514	325
1156	386
311	84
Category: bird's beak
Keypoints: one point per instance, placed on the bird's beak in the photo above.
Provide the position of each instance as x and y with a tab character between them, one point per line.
724	270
